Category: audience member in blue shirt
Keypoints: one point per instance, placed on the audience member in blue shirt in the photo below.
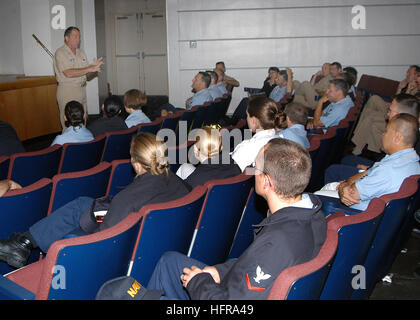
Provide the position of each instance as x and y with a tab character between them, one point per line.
74	116
213	89
134	100
278	93
296	118
336	112
284	82
387	175
220	77
200	85
338	108
350	165
281	80
349	77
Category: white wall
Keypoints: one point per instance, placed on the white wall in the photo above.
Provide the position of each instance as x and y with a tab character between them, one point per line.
85	20
11	55
35	19
252	35
101	42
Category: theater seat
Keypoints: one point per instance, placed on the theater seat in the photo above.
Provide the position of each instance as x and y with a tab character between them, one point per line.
383	87
338	144
305	281
75	269
200	116
314	147
117	144
222	109
81	156
355	235
255	211
212	115
171	122
386	234
165	227
27	168
219	218
322	156
90	183
405	230
21	208
122	174
188	116
152	127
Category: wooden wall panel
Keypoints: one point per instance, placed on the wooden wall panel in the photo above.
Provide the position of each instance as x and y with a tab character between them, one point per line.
30	106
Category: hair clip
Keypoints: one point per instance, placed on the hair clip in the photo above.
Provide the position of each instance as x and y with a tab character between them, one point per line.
215	126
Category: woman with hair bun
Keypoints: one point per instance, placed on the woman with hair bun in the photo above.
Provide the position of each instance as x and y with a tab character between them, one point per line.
154	183
263	118
110	120
74	117
208	151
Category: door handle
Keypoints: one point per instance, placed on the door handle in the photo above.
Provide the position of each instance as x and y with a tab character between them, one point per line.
144	55
137	55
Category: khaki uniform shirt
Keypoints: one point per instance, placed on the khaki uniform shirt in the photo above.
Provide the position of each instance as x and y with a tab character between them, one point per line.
69	88
65	59
322	85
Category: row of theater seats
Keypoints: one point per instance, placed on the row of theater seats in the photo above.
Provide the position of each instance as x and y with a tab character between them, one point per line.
358	251
361	247
192	225
27	168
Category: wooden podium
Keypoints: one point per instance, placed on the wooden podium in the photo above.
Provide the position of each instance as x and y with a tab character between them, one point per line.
29	104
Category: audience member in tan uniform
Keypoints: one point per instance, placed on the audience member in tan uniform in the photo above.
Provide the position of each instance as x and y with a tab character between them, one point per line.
372	122
71	68
306	92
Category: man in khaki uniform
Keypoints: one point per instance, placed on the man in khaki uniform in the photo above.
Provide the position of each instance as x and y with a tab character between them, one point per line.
372	121
71	67
306	92
227	80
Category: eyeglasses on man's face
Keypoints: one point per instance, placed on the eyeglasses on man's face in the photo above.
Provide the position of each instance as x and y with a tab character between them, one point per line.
254	167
